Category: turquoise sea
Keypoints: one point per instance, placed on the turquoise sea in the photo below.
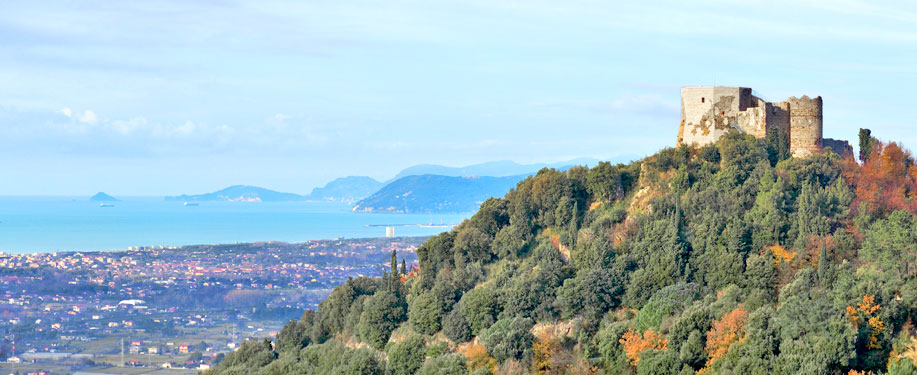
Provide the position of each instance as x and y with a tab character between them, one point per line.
45	224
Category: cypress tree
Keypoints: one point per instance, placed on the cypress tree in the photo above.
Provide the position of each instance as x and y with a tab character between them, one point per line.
394	263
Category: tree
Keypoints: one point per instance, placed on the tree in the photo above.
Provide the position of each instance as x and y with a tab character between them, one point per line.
406	357
382	313
394	264
448	364
724	332
250	356
867	144
891	244
660	362
692	351
592	292
474	244
634	343
509	339
330	358
293	336
425	313
866	318
456	327
480	308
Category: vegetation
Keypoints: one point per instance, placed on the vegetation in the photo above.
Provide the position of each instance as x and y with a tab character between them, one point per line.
730	258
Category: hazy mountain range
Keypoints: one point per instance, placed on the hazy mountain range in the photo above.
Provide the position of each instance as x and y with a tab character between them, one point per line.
494	168
436	194
241	193
425	188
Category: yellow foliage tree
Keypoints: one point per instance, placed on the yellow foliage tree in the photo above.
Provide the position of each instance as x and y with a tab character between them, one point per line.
781	254
866	312
478	357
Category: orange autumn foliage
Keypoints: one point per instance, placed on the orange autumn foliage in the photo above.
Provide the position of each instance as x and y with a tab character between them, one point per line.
865	312
887	180
781	254
478	357
724	332
634	343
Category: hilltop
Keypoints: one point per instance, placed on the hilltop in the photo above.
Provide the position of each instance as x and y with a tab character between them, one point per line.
240	193
347	189
732	257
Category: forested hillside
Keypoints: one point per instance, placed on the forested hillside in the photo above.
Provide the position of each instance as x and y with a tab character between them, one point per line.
727	259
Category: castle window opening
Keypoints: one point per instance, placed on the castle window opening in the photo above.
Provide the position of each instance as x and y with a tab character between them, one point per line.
701	100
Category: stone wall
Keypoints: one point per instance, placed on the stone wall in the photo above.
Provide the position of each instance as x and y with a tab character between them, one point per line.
753	121
707	113
805	125
839	147
778	115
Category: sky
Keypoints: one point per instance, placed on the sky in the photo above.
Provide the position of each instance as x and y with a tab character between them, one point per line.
173	97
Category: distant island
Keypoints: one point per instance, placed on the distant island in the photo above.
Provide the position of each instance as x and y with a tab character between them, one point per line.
436	194
102	197
347	189
240	193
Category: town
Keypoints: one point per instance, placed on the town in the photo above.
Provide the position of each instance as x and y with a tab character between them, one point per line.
168	308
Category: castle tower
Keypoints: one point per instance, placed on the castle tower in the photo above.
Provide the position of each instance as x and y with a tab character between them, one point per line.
805	125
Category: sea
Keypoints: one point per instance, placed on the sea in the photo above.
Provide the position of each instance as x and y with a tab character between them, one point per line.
48	224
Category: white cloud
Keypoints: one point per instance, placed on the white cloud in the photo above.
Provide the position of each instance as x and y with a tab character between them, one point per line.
282	117
89	117
126	127
67	112
186	129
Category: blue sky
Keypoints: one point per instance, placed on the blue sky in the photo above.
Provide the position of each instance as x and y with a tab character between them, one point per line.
168	97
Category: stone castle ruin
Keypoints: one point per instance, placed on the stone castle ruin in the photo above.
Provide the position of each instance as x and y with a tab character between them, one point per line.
709	112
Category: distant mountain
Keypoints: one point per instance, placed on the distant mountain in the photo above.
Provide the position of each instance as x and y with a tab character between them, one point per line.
347	189
102	197
494	168
240	193
436	194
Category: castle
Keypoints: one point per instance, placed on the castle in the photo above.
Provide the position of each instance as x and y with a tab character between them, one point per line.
708	112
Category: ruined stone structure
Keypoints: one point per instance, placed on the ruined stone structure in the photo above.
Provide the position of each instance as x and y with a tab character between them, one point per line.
708	112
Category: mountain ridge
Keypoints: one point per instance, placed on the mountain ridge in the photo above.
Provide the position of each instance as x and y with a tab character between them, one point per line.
240	193
436	194
347	189
498	168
